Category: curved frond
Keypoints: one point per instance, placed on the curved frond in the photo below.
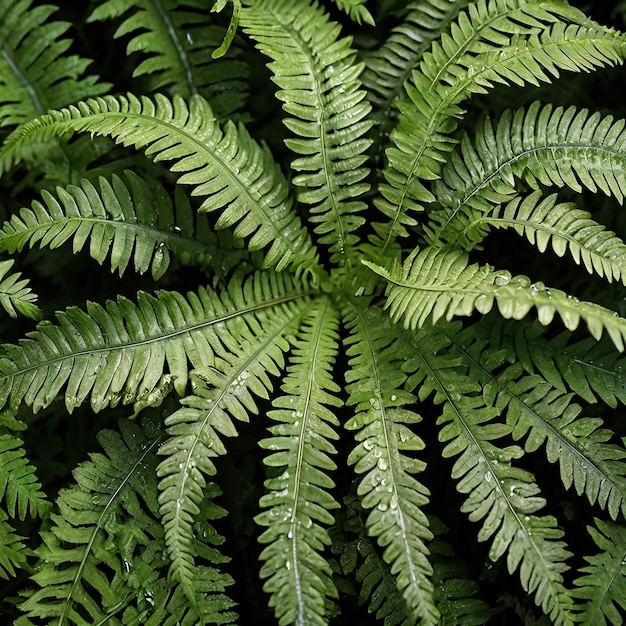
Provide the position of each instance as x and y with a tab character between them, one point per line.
439	283
503	497
539	144
20	493
172	38
588	460
36	74
126	219
114	501
318	76
15	294
233	174
544	222
603	583
126	352
485	47
221	392
387	488
298	503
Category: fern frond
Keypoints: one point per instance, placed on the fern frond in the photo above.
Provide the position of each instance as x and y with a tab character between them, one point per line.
591	369
172	37
357	11
114	501
298	503
453	71
603	583
542	415
124	219
20	492
388	488
36	74
123	352
543	222
320	88
504	497
12	550
440	283
227	168
252	349
390	66
15	294
539	144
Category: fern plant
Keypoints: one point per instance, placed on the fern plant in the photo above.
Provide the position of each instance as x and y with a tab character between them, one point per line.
357	300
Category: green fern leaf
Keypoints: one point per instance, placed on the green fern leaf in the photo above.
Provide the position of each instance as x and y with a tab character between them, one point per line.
603	583
228	169
566	147
12	550
506	498
126	218
19	490
35	73
113	502
220	393
389	67
15	294
388	489
544	222
320	88
172	38
485	47
433	283
546	416
123	351
298	503
591	369
356	10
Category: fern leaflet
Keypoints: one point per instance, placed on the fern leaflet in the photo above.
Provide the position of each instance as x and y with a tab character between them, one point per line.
15	294
320	88
297	506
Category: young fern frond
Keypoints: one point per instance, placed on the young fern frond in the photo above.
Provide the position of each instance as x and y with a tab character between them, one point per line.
319	80
504	497
439	283
125	219
542	415
36	74
388	488
298	503
539	144
603	583
113	501
126	352
448	75
251	349
15	294
20	493
172	38
543	222
231	173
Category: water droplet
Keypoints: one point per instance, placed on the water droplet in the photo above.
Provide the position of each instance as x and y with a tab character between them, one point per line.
393	397
127	566
382	464
502	279
488	477
189	39
149	597
288	565
368	444
382	506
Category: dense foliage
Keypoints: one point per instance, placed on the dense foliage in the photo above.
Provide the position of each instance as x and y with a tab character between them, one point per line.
312	311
